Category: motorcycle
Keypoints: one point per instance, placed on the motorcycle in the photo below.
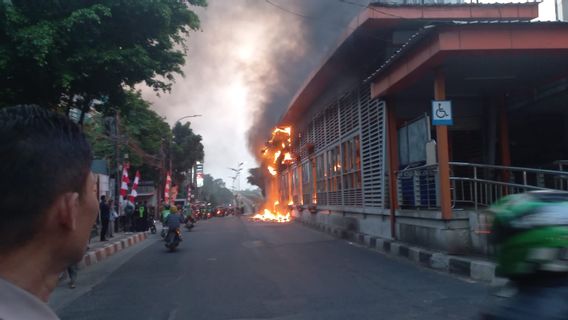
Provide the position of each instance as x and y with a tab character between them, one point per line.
164	232
173	239
153	226
190	223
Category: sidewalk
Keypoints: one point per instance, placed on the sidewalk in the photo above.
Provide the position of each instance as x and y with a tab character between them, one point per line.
100	250
471	267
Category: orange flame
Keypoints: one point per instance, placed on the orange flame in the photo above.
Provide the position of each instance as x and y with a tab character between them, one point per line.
269	216
277	155
287	130
287	157
272	170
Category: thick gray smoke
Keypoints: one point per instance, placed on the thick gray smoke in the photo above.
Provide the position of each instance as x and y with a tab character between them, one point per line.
321	23
244	67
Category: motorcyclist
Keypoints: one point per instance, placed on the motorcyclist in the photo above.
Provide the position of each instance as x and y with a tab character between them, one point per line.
174	220
165	213
530	231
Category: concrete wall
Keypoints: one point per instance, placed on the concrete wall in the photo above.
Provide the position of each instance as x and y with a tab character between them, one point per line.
464	233
427	228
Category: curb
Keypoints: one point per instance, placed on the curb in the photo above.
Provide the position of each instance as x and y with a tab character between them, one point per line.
479	270
95	256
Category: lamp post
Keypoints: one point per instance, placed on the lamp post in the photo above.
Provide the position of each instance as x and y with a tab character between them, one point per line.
237	171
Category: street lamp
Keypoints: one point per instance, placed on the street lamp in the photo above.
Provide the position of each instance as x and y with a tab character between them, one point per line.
237	175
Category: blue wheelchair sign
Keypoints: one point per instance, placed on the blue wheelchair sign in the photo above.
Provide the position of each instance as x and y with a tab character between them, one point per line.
442	113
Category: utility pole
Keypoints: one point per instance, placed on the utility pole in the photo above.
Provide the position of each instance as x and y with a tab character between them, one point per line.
171	155
117	181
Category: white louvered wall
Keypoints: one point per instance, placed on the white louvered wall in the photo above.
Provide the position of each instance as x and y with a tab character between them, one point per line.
373	149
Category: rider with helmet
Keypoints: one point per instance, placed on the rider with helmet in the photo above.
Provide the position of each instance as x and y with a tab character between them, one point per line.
530	232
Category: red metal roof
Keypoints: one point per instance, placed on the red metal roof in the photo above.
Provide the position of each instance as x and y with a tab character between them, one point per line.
383	18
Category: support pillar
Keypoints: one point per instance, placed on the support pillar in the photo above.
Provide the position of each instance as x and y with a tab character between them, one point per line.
443	150
393	163
504	141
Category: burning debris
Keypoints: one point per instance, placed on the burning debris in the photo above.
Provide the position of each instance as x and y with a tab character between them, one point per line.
276	154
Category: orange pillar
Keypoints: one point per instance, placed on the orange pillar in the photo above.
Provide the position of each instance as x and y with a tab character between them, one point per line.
393	163
443	150
504	138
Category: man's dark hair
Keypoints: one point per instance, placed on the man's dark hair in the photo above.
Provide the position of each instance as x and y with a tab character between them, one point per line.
42	155
103	198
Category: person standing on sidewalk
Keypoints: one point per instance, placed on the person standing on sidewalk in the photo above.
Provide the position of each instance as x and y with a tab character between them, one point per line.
112	219
105	217
72	271
47	208
128	216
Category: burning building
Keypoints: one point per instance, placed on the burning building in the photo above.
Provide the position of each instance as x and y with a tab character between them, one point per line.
364	150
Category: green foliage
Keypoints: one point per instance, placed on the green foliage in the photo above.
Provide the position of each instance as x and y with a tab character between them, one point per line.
143	135
256	178
54	50
186	149
214	191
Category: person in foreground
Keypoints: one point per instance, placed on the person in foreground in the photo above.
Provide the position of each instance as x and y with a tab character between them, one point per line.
530	231
48	204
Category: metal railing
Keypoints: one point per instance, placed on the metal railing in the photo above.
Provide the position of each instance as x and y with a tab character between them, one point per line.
474	185
482	185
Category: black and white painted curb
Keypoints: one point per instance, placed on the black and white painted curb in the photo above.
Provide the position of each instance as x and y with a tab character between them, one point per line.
94	256
479	270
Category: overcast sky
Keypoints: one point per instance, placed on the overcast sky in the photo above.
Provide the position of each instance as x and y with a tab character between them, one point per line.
244	67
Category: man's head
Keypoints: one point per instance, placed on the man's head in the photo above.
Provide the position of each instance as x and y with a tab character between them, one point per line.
48	191
103	198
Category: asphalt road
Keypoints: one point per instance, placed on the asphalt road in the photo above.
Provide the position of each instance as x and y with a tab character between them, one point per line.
231	268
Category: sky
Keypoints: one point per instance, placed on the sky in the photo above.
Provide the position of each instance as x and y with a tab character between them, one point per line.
245	64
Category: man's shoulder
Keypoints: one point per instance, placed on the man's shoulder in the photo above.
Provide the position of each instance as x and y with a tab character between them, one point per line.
16	303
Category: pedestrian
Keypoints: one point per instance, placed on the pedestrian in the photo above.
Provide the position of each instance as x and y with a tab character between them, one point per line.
43	234
72	271
140	218
105	217
112	219
129	215
145	217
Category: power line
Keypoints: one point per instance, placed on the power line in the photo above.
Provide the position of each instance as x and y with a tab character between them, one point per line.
306	17
369	6
289	11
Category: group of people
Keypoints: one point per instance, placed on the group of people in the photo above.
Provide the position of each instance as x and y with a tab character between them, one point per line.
134	217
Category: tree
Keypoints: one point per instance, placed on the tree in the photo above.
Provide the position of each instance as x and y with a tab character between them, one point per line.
63	54
143	135
256	178
214	191
187	149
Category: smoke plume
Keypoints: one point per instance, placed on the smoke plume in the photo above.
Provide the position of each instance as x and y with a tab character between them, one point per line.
243	68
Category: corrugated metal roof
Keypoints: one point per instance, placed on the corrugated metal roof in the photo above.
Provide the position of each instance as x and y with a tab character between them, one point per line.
435	4
427	30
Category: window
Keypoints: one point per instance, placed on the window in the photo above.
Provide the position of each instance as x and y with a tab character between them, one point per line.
306	183
333	175
352	164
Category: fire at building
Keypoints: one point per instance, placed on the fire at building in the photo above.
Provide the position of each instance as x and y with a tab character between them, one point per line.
276	155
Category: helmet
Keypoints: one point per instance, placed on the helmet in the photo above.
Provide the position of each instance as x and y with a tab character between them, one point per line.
530	232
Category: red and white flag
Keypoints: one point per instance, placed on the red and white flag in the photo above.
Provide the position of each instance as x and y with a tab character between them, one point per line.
167	188
134	193
125	180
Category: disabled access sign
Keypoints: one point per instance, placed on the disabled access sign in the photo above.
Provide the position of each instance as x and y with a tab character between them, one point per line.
442	113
